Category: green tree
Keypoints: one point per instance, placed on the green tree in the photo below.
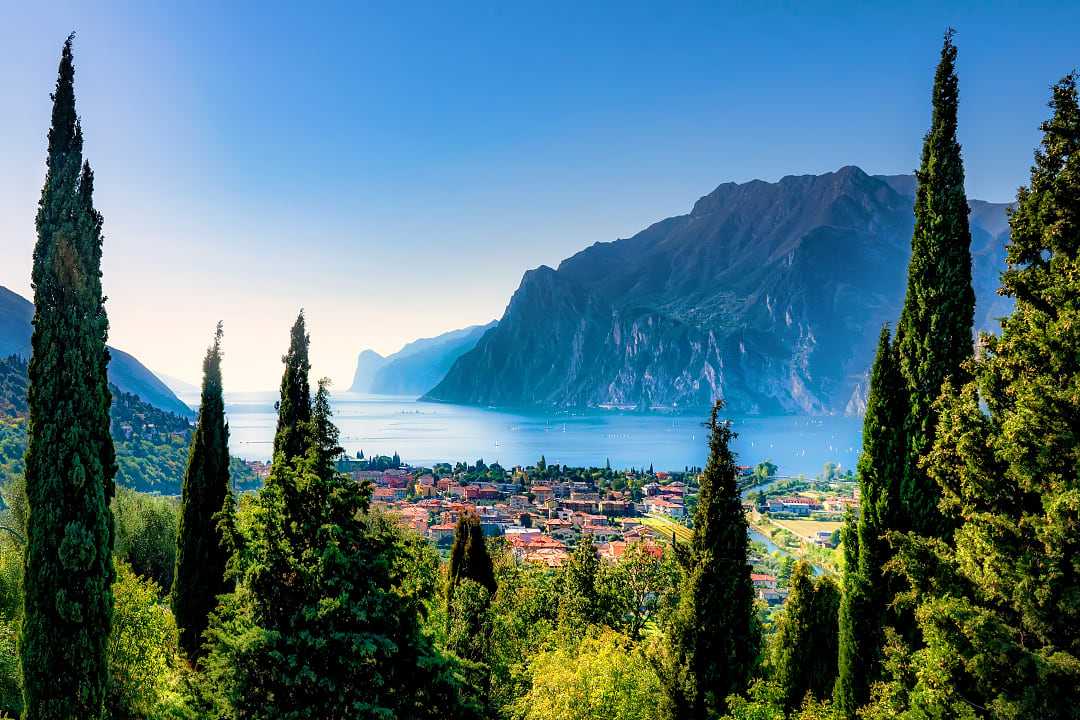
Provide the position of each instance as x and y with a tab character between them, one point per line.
934	335
70	460
145	666
999	606
582	603
469	557
642	587
144	528
294	407
866	586
604	677
201	549
804	647
714	637
324	622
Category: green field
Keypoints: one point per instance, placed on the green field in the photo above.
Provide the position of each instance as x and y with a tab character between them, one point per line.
668	527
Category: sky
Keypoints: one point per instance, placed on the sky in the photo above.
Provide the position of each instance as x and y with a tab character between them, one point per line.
394	168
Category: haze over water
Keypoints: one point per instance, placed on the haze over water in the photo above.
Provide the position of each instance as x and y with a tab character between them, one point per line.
426	433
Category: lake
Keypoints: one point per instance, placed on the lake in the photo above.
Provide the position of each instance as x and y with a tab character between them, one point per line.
426	433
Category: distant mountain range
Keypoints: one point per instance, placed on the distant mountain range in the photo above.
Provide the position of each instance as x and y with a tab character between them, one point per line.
769	295
125	372
418	366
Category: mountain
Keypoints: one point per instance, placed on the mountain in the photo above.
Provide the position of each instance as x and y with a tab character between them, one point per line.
368	363
125	372
418	366
769	295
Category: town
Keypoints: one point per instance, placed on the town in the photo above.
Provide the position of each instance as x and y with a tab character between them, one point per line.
542	511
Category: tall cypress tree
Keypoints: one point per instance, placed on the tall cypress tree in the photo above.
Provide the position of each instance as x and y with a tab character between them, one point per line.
934	335
998	604
201	550
866	596
294	408
713	639
70	461
469	557
804	646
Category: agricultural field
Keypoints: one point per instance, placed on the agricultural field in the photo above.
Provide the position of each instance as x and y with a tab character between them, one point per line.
808	528
668	527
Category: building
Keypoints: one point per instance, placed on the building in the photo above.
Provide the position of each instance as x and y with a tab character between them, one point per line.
660	506
542	494
442	534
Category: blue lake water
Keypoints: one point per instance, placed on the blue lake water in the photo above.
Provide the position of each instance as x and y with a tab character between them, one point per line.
425	433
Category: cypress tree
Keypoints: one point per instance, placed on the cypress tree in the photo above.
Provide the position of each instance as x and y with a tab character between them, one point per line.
713	639
70	461
202	552
934	335
469	557
294	408
866	596
804	647
999	605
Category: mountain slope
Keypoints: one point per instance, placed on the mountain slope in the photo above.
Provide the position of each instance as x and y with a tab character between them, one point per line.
125	372
418	366
767	294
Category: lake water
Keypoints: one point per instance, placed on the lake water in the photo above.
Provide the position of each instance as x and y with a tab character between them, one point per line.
426	433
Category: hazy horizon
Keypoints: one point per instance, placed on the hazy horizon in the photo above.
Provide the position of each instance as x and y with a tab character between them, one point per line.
394	171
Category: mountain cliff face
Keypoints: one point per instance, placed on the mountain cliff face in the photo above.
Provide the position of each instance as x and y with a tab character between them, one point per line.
418	366
368	362
125	372
769	295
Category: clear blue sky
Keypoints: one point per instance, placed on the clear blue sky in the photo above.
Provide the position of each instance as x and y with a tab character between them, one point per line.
395	167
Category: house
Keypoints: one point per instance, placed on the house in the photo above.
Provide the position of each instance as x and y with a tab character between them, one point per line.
579	505
824	538
481	492
388	494
616	508
772	597
761	580
614	550
660	506
442	534
542	494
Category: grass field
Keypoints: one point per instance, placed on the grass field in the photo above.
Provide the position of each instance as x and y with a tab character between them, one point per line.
666	526
808	528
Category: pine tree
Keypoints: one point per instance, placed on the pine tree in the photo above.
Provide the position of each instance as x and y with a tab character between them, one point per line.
713	640
934	335
202	551
866	596
294	407
999	605
70	460
804	646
